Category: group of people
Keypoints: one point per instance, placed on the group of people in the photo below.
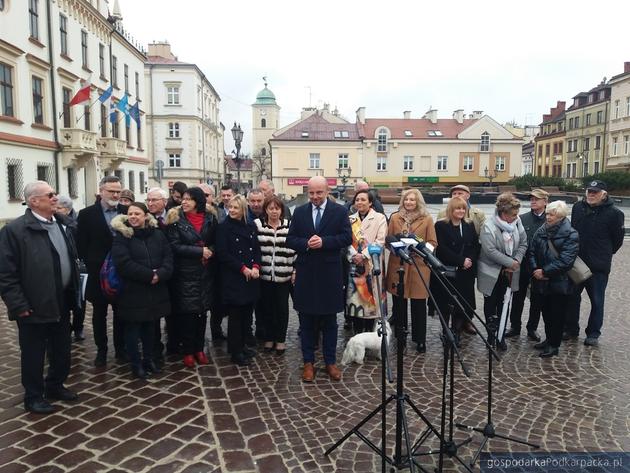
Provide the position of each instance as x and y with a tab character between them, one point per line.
182	256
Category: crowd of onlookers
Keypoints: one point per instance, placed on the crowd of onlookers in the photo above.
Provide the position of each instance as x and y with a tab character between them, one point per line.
183	254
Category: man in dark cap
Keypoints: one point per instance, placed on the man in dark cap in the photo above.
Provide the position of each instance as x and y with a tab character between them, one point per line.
472	213
601	228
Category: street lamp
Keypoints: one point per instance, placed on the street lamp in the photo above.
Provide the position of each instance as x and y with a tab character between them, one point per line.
237	134
490	175
344	174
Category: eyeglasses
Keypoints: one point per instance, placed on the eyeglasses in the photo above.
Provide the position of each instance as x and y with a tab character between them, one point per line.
112	191
593	191
50	195
148	201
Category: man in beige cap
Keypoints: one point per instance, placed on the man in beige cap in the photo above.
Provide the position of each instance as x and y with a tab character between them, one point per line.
532	220
475	215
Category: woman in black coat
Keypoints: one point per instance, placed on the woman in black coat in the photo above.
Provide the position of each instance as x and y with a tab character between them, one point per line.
191	232
239	255
144	261
458	245
551	255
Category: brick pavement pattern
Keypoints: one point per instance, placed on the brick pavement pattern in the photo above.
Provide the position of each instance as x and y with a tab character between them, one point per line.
262	418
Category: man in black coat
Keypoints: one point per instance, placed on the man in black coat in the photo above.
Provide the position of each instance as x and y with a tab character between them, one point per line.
94	242
532	221
376	204
318	232
601	228
39	283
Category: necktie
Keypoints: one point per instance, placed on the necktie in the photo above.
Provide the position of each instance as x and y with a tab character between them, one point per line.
160	220
318	218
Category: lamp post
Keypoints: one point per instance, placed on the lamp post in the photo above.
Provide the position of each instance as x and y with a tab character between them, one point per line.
344	174
490	175
237	134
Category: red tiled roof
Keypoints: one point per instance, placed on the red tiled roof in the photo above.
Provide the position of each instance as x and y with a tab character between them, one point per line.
419	127
319	130
246	164
163	60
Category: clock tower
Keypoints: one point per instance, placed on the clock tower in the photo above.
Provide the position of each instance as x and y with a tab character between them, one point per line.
265	117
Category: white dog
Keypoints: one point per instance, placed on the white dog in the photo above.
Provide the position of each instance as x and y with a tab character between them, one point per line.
355	349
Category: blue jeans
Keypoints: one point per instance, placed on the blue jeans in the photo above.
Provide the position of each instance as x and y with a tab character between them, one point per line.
309	330
596	289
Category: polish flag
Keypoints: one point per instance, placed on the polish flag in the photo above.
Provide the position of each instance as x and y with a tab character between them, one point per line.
83	95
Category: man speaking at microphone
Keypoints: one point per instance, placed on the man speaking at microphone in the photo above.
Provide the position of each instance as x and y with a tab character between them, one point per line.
319	231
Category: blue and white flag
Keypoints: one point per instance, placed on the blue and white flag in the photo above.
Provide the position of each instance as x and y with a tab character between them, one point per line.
113	114
104	97
134	112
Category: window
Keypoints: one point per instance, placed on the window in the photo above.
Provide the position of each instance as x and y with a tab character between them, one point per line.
305	134
407	163
598	142
547	149
128	132
499	163
103	121
174	160
313	161
442	163
570	123
66	95
126	75
588	119
555	148
73	188
115	124
540	150
263	123
602	94
585	167
381	163
173	130
131	183
33	18
626	145
115	71
45	172
600	116
468	163
101	59
408	133
596	167
84	48
560	147
627	106
616	108
141	182
172	95
263	151
137	80
1	5
120	175
63	34
6	90
587	144
139	137
15	179
435	133
86	118
577	122
342	161
614	147
382	141
341	134
485	142
38	100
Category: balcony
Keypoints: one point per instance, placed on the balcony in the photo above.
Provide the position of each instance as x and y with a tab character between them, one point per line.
77	146
113	152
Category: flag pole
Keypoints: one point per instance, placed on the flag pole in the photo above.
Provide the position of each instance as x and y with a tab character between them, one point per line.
89	107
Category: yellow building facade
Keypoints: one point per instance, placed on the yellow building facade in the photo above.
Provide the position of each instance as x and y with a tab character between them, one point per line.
550	157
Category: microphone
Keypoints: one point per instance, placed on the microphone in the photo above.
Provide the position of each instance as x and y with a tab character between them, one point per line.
398	248
375	253
425	250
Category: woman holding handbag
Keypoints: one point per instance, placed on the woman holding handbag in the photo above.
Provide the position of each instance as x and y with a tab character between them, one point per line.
552	254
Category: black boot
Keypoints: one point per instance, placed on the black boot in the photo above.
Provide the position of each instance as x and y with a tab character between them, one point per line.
151	367
549	352
541	345
137	371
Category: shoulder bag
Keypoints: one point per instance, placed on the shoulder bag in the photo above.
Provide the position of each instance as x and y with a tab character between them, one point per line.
580	272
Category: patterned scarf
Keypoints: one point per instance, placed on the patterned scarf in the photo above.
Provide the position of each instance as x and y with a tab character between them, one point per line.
509	233
409	218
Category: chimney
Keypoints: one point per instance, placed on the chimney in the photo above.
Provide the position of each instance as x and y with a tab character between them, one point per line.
361	115
477	114
326	107
626	67
431	114
407	114
161	49
458	115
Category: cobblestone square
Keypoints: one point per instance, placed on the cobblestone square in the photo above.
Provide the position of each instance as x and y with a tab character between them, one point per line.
222	418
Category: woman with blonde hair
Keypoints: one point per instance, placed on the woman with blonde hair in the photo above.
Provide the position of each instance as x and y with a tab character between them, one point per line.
412	217
458	245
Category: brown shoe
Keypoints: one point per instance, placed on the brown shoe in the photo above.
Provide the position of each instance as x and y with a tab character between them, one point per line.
333	372
308	374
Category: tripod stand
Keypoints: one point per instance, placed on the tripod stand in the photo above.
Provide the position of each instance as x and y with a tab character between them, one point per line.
488	431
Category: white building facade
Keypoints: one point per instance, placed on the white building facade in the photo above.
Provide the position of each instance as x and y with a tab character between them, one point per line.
183	121
46	56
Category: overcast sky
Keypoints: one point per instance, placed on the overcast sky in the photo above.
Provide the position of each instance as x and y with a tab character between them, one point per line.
512	60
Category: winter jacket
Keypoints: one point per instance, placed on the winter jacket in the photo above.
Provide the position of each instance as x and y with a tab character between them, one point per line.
238	248
30	272
192	285
276	258
565	240
601	230
136	254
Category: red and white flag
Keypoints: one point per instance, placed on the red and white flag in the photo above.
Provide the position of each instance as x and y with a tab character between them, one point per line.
83	95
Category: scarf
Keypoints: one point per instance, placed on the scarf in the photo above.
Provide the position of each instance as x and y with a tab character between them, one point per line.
196	220
509	233
408	219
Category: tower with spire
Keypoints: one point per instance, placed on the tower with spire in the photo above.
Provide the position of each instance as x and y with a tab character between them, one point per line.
265	121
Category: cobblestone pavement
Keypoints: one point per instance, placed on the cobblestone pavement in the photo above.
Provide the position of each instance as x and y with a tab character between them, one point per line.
263	418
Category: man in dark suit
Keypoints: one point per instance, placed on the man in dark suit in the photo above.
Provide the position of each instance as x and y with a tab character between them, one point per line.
94	241
318	232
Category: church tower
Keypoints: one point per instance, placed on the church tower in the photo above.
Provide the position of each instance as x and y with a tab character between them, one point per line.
265	121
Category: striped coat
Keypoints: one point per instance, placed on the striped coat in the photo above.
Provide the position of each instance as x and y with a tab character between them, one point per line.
277	258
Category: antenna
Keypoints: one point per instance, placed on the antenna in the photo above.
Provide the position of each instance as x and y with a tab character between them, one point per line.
310	95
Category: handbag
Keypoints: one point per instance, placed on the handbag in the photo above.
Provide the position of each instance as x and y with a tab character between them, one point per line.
580	272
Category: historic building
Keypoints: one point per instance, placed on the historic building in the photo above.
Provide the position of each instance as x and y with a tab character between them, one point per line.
550	150
618	136
265	121
183	121
48	52
586	122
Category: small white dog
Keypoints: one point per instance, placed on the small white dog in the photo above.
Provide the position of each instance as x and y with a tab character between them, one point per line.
355	349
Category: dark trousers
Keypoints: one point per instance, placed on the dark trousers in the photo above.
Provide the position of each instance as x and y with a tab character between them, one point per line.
554	310
274	310
192	331
418	317
173	336
518	301
216	319
158	346
493	304
35	341
239	326
596	289
78	317
139	332
309	325
361	325
99	325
